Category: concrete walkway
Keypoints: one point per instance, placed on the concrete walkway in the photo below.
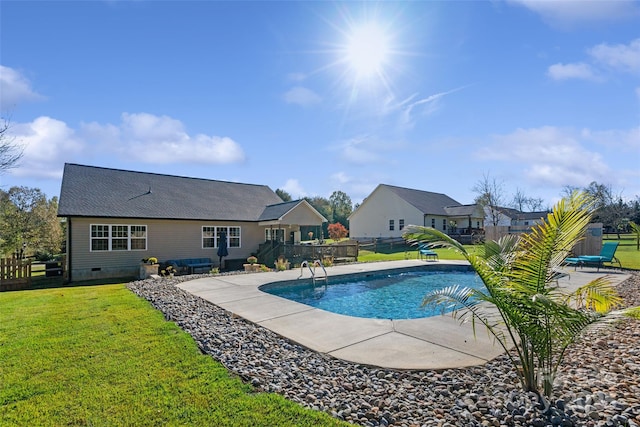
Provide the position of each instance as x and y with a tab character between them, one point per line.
437	342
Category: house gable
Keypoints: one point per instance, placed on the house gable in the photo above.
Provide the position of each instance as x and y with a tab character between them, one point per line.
298	212
382	210
388	209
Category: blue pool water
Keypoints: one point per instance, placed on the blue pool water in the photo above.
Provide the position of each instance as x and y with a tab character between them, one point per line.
395	295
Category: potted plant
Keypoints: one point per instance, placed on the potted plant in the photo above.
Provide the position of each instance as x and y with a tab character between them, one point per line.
282	264
252	264
168	272
148	267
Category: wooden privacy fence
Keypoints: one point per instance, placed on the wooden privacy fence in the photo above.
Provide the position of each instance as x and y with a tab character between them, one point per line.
15	274
589	245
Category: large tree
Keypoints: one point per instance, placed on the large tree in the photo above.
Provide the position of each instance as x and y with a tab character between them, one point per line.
286	197
323	206
525	203
10	151
490	196
611	209
341	207
29	222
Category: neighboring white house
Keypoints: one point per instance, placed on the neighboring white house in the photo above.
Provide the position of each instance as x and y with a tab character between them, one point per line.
388	210
509	217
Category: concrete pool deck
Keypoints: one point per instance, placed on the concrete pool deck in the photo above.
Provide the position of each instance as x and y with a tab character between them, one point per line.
437	342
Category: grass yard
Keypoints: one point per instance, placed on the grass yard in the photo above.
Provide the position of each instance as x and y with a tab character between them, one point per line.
627	253
101	356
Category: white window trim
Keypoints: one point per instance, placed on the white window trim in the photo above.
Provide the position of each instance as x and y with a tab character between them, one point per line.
110	237
216	233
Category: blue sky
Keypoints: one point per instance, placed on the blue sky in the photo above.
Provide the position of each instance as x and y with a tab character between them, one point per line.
313	97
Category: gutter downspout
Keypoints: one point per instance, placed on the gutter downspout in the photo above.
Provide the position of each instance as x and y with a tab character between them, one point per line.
68	249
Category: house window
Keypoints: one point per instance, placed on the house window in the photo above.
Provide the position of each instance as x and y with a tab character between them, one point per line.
211	236
138	237
391	225
105	237
444	224
401	224
99	237
276	234
433	223
208	237
233	237
119	237
477	224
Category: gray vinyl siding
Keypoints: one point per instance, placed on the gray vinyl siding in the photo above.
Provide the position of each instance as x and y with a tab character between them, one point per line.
166	239
371	220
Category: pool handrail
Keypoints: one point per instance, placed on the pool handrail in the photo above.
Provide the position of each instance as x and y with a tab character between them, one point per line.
316	263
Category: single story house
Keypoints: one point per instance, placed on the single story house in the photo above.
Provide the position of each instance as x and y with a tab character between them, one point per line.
116	218
389	209
509	217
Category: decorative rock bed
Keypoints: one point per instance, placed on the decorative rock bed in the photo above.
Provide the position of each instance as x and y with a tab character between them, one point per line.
599	382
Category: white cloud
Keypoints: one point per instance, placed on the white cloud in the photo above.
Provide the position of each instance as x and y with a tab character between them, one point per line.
15	88
549	156
293	187
638	92
572	71
302	96
604	57
423	106
47	144
618	141
340	178
620	57
162	139
142	137
358	151
567	13
296	77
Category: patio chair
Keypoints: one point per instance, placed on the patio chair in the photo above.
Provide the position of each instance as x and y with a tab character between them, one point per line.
426	253
607	254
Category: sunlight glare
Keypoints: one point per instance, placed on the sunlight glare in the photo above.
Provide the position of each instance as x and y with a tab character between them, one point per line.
367	50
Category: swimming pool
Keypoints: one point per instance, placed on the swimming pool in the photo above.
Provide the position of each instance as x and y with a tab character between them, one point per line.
394	294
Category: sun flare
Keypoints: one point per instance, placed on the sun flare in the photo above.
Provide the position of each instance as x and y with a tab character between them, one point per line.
367	50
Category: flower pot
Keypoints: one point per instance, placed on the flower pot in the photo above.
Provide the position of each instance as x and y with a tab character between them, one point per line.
251	267
146	270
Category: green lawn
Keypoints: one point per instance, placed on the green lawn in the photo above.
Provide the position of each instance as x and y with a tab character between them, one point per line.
101	356
627	253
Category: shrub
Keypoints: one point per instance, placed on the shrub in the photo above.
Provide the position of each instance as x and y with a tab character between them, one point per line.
337	231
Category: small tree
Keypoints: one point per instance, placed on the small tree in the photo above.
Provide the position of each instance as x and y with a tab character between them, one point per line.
337	231
10	151
520	276
490	196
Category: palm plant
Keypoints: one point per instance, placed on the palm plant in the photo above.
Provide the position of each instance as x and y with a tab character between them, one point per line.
522	306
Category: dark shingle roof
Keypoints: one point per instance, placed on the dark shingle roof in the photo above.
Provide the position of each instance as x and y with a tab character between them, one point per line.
275	212
462	210
101	192
425	201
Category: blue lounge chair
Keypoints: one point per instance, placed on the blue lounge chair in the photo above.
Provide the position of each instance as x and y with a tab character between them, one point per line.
606	255
426	253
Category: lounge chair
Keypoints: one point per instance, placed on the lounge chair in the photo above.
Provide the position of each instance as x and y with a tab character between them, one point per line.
426	253
606	255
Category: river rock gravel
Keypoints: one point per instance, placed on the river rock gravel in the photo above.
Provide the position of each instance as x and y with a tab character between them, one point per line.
598	384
